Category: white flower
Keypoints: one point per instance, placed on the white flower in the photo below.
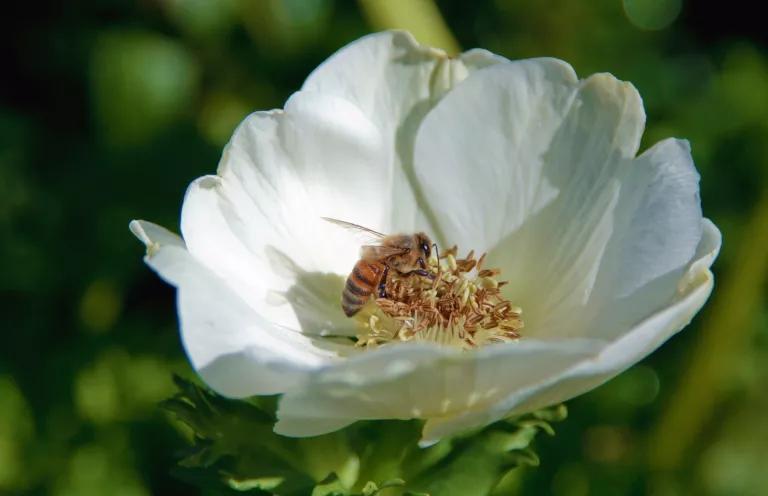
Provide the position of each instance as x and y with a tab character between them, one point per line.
607	253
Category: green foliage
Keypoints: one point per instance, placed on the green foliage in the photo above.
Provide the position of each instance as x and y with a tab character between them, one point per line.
141	83
234	447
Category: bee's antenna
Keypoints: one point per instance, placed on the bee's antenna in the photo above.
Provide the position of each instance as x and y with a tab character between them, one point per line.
437	252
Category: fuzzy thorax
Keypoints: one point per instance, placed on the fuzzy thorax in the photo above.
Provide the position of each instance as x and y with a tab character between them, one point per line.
461	306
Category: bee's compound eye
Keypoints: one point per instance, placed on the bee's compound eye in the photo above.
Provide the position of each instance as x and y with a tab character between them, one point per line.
425	249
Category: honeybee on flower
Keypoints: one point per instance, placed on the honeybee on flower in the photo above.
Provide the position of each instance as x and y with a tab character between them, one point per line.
404	253
605	252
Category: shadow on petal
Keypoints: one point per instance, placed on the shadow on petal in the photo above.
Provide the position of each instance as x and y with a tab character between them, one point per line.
315	298
405	139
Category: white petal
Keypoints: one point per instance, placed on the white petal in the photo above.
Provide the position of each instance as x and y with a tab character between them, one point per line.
407	381
665	224
642	339
388	74
235	350
478	153
612	359
706	252
166	251
524	159
395	82
652	230
657	231
258	223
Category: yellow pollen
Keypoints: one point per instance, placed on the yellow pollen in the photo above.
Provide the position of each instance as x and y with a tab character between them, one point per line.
460	305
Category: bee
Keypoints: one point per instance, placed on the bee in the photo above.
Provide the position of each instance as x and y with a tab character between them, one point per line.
404	253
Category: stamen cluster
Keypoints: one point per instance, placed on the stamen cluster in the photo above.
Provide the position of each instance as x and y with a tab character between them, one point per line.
460	305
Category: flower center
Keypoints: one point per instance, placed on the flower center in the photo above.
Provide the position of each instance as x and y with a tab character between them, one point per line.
461	305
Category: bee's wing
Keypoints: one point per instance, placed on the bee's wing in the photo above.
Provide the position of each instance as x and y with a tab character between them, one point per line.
365	235
379	252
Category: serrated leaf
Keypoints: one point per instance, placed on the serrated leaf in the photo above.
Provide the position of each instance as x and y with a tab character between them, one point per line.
392	483
420	460
371	488
235	444
264	483
539	424
524	457
556	413
331	486
499	441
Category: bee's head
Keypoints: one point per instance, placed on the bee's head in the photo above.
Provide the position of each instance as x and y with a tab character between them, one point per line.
424	244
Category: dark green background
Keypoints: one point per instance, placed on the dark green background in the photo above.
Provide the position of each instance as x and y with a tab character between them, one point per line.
109	109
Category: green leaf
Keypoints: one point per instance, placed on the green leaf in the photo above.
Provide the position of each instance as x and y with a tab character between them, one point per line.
332	486
264	483
525	457
501	441
556	413
476	464
371	488
234	444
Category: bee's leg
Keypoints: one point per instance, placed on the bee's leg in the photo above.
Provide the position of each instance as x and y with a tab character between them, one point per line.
420	272
383	283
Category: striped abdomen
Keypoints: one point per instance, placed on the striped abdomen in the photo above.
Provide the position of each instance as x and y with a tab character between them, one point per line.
362	281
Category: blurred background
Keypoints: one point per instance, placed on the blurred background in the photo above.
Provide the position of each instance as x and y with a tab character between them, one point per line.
109	108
